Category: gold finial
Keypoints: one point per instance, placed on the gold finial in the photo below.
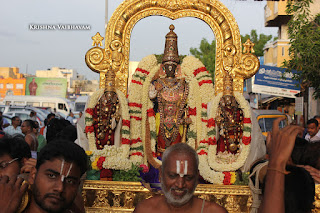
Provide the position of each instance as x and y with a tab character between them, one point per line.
97	40
248	46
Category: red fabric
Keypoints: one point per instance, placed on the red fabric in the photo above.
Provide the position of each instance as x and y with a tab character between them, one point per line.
135	105
201	69
205	82
192	111
143	71
106	173
162	143
42	130
136	82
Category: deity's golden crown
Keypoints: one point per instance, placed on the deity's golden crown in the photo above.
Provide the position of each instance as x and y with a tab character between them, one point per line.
171	47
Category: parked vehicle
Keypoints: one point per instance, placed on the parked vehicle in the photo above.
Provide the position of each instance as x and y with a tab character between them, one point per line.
80	103
24	115
7	118
59	104
23	108
265	119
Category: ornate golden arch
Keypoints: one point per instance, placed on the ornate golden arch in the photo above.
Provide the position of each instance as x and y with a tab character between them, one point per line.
229	57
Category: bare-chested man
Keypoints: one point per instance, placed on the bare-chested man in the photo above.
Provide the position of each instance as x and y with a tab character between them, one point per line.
179	178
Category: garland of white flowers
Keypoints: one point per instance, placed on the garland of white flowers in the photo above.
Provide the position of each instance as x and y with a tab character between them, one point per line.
115	157
137	101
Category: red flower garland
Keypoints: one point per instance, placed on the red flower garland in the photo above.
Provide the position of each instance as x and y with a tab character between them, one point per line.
89	129
246	140
89	111
125	123
201	69
100	162
211	123
125	141
150	113
246	120
192	111
212	141
227	178
202	152
204	105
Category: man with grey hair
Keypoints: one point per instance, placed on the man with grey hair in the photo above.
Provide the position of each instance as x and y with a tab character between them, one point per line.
179	178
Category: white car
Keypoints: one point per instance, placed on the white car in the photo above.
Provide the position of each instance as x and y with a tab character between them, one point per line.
24	115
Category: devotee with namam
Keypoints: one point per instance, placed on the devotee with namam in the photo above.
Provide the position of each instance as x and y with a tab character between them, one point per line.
179	178
55	184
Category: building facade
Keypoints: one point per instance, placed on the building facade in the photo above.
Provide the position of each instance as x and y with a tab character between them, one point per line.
275	15
11	82
56	72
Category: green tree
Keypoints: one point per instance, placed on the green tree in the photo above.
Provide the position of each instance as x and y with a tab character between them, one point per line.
207	52
304	51
259	41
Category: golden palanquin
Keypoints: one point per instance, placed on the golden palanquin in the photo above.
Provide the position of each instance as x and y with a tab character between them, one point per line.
114	196
231	59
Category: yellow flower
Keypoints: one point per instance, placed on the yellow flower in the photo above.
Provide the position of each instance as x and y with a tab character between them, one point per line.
94	164
233	178
89	153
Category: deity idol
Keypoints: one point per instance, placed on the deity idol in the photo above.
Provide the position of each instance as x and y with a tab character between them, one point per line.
168	102
229	121
106	115
169	95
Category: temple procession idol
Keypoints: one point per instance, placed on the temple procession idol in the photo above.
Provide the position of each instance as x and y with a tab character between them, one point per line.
129	125
171	103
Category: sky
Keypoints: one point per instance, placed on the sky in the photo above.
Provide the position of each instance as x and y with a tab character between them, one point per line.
31	49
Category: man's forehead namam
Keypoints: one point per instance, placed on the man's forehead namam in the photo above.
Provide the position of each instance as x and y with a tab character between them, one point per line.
180	162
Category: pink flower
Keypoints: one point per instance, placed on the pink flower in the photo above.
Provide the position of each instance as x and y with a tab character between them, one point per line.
145	168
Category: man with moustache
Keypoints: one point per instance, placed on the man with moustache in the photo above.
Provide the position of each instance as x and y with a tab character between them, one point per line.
54	186
179	178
